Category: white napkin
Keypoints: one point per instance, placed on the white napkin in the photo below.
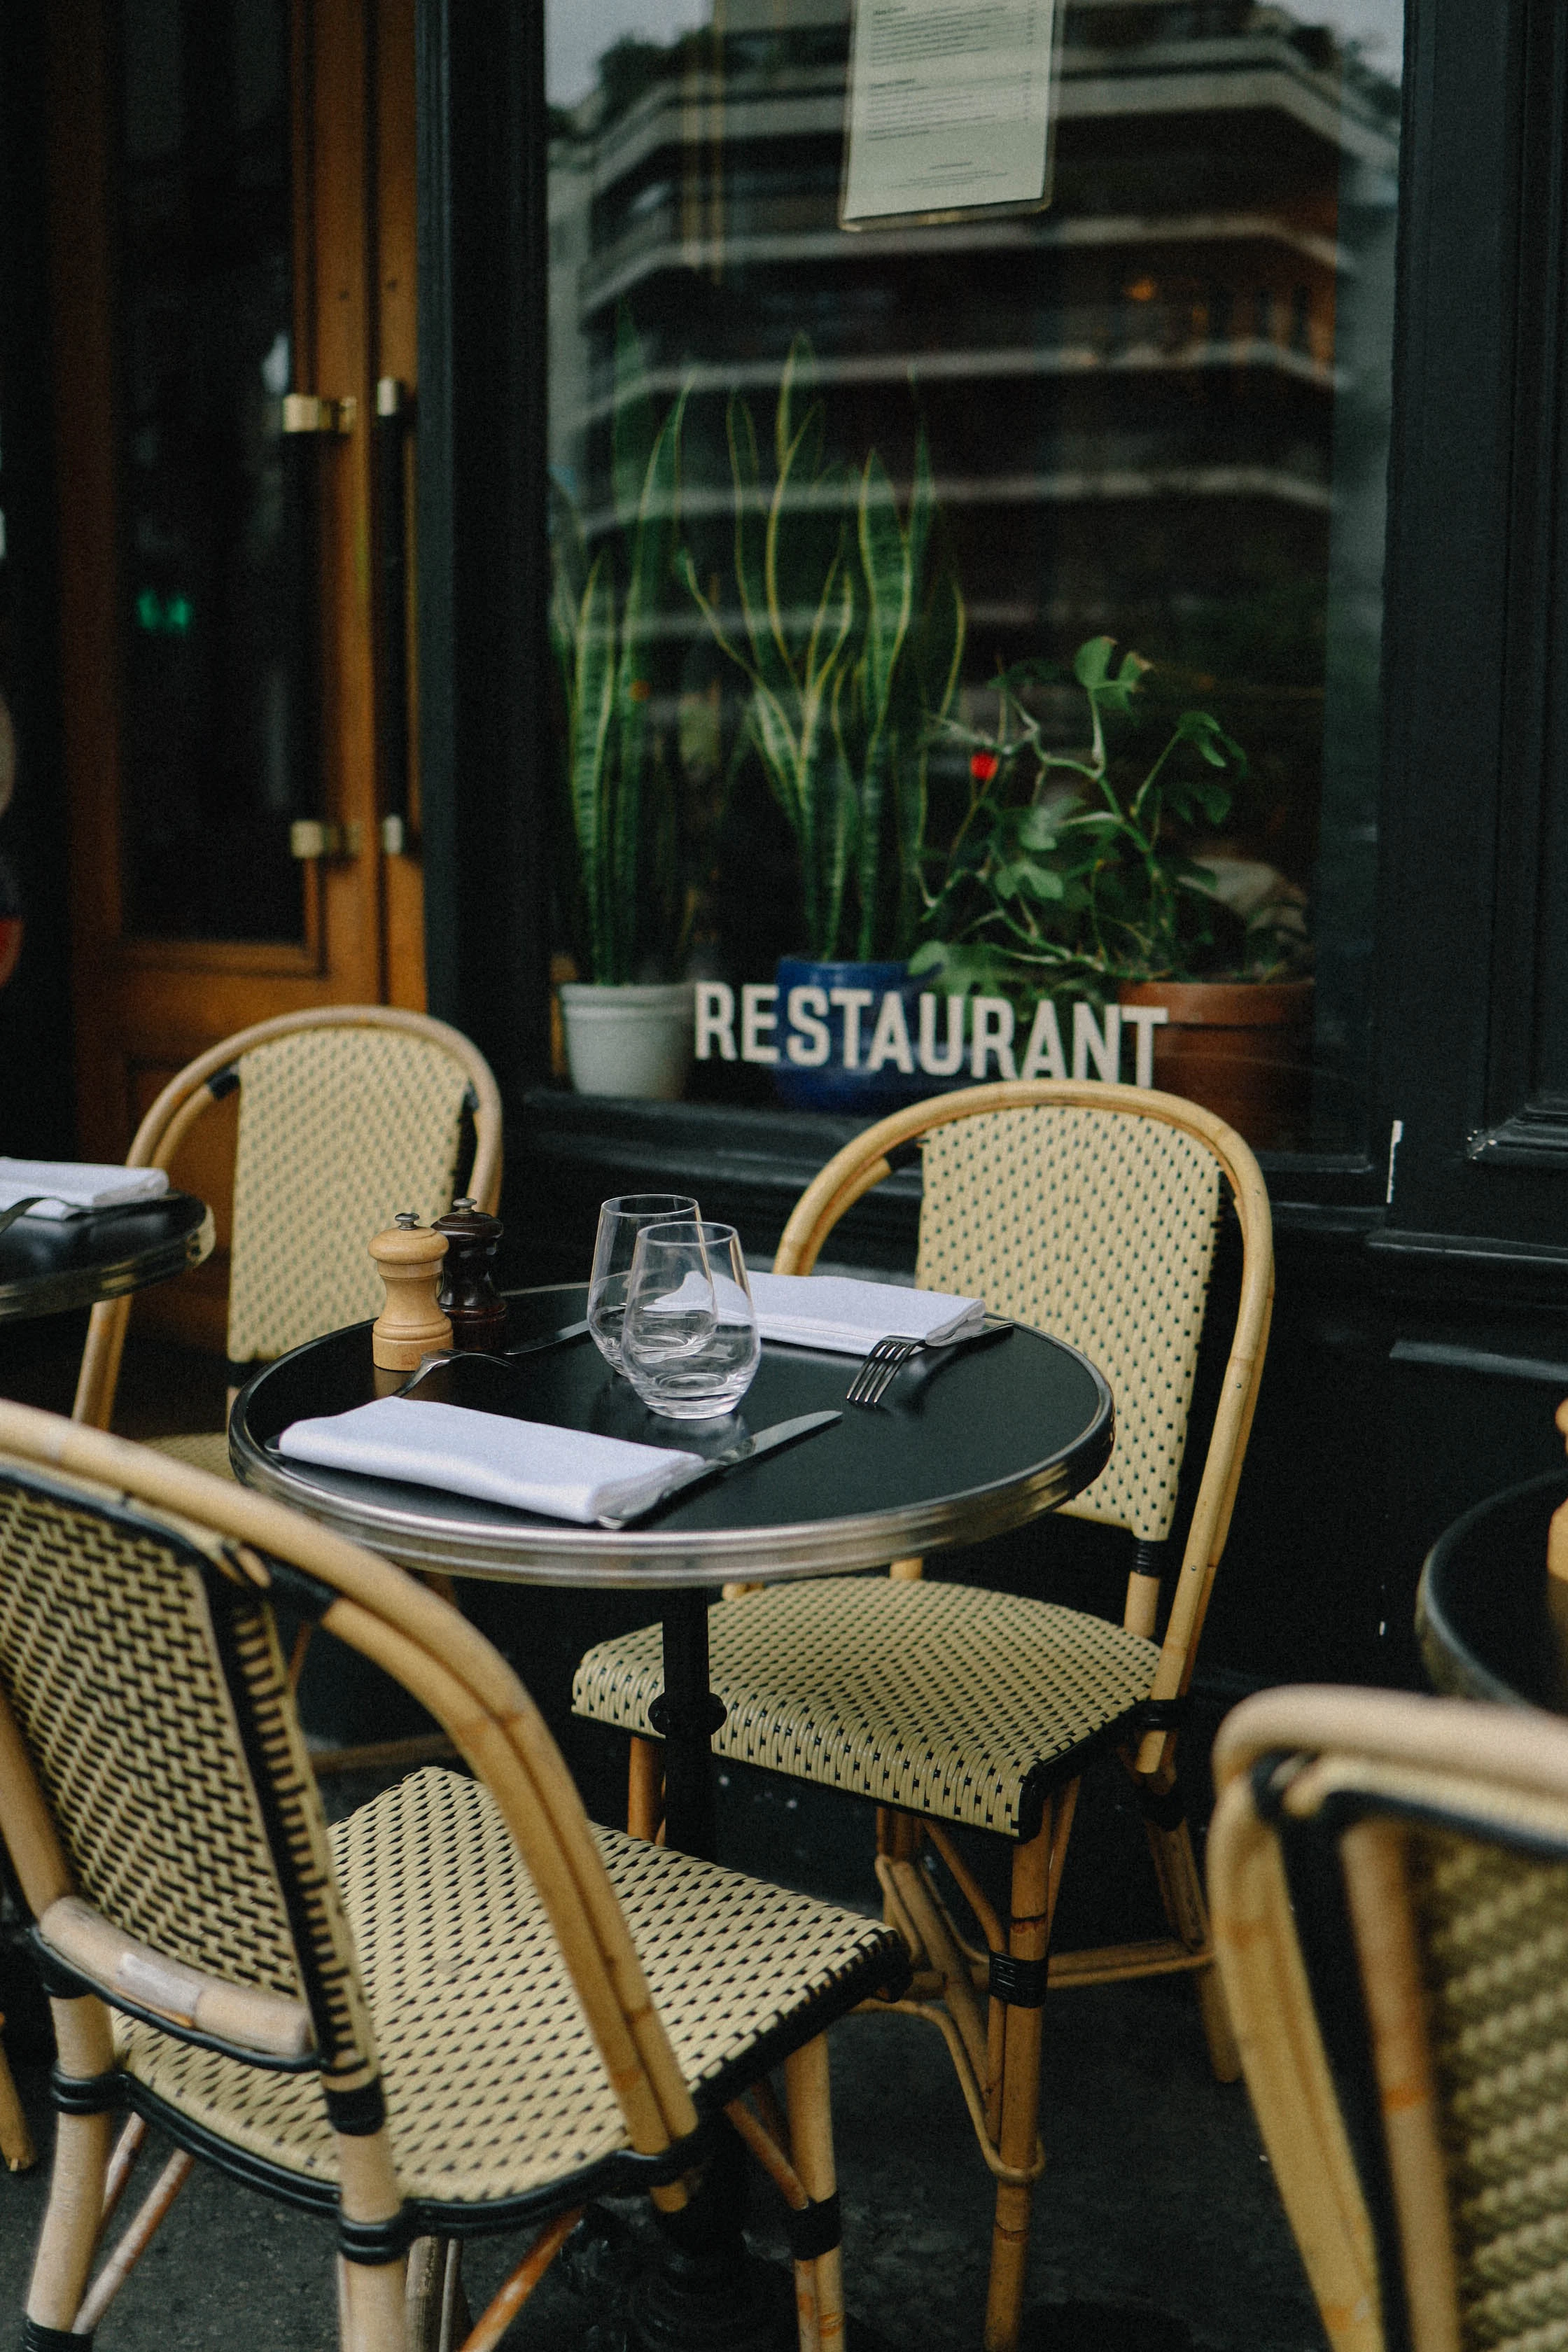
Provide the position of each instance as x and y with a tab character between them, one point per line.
69	1188
566	1474
831	1310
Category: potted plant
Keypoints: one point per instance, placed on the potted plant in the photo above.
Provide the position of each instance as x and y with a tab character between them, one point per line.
1080	872
629	1023
850	640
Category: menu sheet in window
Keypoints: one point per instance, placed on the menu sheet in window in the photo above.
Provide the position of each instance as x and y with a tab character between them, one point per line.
950	108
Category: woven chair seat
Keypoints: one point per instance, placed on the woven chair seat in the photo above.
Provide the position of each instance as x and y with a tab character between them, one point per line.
971	1698
203	1449
494	2088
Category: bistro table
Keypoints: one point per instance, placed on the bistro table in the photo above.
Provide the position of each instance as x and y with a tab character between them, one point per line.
964	1445
1481	1614
50	1264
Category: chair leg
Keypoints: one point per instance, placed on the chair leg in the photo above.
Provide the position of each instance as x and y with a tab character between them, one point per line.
373	2306
811	2151
73	2217
1181	1889
17	2150
1037	1875
645	1788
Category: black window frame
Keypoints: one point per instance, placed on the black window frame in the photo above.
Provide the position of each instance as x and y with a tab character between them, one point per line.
1469	1045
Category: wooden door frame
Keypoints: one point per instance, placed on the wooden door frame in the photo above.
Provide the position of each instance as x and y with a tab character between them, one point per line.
141	1000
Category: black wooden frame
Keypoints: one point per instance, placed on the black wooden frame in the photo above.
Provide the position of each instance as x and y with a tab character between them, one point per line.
483	557
1472	1048
1471	1020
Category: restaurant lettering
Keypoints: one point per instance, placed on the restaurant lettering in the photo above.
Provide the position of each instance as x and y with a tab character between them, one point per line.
973	1036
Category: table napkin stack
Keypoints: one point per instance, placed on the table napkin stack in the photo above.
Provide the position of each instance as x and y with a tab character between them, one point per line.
529	1465
836	1312
74	1187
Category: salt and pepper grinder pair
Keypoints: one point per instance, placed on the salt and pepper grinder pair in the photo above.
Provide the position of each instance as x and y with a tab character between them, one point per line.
440	1289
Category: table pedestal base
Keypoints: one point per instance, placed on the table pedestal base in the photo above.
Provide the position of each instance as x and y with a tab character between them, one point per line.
713	2297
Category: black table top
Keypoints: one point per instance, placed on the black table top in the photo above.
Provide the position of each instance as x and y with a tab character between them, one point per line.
961	1447
1481	1612
48	1265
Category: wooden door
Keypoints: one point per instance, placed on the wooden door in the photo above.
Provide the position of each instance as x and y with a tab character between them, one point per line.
233	269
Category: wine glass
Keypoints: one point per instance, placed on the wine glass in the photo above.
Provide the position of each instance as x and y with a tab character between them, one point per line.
688	1341
620	1222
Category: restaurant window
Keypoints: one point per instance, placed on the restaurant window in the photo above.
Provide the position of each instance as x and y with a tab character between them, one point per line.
1151	408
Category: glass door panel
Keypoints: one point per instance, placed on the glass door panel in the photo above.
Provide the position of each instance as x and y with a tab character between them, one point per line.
218	554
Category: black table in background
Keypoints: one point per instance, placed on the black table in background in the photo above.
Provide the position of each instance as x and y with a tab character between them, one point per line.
1481	1614
50	1264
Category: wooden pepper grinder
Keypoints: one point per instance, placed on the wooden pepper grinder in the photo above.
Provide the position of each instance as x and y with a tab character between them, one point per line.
470	1298
408	1259
1557	1559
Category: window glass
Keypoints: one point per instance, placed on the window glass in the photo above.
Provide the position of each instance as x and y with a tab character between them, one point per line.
1150	409
216	595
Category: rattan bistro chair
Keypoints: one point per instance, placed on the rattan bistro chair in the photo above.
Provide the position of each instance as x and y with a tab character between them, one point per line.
1091	1211
347	1114
1389	1877
461	2011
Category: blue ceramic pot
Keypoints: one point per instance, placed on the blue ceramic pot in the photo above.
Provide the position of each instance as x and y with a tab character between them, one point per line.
839	1044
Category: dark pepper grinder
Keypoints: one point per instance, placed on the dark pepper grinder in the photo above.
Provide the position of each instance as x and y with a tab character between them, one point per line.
469	1300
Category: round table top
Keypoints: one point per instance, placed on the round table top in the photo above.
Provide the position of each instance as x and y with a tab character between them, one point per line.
961	1447
1481	1612
48	1265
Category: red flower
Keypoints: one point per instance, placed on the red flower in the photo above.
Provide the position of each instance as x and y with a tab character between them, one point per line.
982	766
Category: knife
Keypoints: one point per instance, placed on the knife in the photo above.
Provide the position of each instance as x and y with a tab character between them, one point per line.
488	1355
718	1466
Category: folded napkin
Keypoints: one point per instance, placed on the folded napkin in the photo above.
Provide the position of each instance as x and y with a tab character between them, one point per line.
830	1310
564	1474
69	1188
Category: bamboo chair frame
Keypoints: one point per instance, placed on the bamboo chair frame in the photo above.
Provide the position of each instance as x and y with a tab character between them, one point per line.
1369	1768
17	2150
995	2047
191	1093
494	1724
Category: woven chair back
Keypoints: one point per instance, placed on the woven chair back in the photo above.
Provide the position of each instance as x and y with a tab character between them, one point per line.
151	1762
338	1130
143	1672
1449	1887
1100	1227
347	1114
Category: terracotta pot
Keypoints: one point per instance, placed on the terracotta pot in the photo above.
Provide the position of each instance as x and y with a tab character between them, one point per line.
1241	1049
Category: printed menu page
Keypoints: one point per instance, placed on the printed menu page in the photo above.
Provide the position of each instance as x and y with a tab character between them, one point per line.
950	106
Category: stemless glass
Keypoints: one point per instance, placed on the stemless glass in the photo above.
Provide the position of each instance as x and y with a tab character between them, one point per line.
689	1342
620	1222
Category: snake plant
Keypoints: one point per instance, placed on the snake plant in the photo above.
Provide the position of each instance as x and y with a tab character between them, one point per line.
605	626
850	643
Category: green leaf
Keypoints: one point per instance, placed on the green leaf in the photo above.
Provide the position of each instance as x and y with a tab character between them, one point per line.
1092	661
588	773
632	426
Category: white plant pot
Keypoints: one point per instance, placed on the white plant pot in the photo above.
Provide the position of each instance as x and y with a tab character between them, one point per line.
633	1041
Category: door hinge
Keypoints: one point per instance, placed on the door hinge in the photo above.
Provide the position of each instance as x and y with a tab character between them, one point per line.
309	838
306	412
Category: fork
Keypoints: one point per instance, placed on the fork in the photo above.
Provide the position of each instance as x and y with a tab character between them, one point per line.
881	1362
887	1357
